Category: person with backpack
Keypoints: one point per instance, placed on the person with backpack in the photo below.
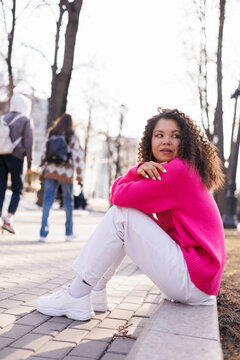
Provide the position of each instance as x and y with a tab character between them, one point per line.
61	158
16	142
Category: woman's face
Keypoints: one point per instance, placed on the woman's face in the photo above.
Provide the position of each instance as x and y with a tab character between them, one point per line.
165	140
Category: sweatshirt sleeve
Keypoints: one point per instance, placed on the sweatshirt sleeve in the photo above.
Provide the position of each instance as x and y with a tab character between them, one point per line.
78	157
147	195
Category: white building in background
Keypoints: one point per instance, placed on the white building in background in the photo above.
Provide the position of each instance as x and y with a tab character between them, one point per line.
39	119
101	166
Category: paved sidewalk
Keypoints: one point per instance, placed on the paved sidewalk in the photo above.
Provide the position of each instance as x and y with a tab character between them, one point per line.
30	269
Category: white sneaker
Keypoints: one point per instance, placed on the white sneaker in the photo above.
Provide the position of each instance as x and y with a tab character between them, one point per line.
100	300
42	239
71	237
62	303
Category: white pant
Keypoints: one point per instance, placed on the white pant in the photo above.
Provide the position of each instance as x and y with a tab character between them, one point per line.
129	231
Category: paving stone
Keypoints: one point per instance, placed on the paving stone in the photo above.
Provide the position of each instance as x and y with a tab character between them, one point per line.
6	319
101	315
112	356
89	348
14	354
146	287
138	321
111	323
134	331
71	335
146	310
155	290
141	293
121	346
16	290
4	341
5	295
54	350
36	291
128	306
20	310
34	319
40	358
84	325
15	331
115	299
9	303
77	358
120	293
48	286
31	341
101	334
61	319
112	306
153	298
125	287
23	297
133	300
30	303
50	328
121	314
59	281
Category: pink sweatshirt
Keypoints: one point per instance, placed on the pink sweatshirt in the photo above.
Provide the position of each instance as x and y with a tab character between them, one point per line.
185	210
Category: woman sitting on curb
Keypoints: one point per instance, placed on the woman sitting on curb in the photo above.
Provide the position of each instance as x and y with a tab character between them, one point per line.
164	218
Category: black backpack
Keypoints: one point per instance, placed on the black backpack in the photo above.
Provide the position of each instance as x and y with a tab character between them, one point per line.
56	151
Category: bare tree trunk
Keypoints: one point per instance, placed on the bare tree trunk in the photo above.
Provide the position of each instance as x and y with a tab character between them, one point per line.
118	147
10	36
61	79
201	10
218	118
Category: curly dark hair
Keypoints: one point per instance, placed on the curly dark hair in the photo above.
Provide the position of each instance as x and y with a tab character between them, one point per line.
194	147
64	125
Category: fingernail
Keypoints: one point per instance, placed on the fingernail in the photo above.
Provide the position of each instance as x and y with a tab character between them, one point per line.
147	177
154	178
164	170
159	177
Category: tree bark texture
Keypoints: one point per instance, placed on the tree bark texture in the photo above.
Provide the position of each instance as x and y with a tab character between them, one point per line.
61	78
10	48
218	118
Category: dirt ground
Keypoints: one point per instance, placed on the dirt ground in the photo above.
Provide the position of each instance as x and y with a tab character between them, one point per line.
229	299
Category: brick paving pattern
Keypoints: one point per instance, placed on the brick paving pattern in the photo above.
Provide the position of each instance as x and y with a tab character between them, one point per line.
29	269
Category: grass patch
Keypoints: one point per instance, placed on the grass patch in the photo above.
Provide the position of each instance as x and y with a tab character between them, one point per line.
229	299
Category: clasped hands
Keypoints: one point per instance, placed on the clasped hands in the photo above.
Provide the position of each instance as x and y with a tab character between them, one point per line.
150	169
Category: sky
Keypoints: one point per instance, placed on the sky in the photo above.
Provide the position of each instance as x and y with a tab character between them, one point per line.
131	52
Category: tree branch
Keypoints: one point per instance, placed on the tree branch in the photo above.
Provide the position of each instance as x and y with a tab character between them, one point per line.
38	51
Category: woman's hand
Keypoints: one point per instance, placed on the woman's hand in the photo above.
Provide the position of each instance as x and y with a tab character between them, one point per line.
150	169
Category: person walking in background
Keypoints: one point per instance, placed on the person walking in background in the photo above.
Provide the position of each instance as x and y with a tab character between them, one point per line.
163	217
21	136
61	158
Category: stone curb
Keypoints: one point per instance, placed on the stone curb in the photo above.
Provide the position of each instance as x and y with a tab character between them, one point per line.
177	331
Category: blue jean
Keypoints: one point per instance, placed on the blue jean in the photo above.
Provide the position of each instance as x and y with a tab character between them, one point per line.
50	186
9	164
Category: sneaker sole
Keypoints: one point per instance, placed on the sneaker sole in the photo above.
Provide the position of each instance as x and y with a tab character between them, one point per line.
70	314
6	229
